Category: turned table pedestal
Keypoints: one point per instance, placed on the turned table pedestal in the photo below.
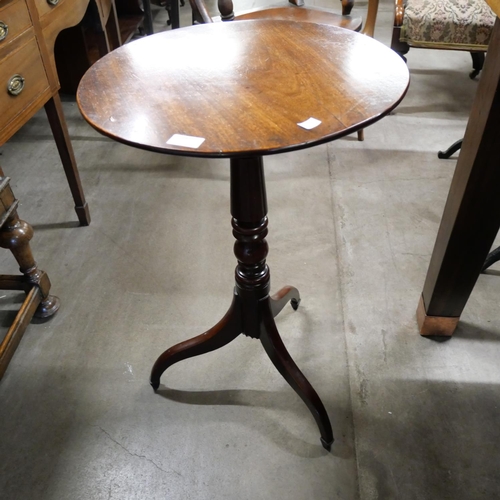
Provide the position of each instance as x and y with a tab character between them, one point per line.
243	90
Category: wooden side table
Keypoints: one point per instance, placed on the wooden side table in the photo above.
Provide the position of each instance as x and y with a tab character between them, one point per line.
15	235
243	90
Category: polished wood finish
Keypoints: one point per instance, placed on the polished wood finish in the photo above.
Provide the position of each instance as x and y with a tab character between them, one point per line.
15	235
27	50
471	216
252	311
311	15
107	25
402	47
80	46
290	12
295	10
295	71
244	87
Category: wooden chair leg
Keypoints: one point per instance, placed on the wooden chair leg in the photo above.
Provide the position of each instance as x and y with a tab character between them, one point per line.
57	122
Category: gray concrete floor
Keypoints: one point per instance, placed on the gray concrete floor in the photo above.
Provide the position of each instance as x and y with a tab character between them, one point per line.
352	226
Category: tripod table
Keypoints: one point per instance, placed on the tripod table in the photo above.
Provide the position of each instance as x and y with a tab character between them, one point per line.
242	90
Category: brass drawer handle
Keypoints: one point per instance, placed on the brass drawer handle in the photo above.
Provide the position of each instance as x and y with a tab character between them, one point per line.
15	85
53	2
4	31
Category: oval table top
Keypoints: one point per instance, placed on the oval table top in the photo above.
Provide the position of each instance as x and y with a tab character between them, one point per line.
241	88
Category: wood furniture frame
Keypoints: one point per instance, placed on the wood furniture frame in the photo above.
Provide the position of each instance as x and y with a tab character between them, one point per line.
27	67
471	218
15	235
403	48
262	93
107	25
296	10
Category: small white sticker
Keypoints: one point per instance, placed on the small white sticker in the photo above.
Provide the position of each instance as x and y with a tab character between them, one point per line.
186	141
309	123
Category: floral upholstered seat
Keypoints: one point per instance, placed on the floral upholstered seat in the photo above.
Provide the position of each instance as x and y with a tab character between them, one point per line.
444	24
451	24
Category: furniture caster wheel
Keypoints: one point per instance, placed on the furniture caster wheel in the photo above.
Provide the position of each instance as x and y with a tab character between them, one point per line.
295	304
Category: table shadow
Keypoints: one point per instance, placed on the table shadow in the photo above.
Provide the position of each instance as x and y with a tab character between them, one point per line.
274	429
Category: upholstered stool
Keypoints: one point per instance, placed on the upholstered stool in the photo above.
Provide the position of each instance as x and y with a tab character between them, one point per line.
444	24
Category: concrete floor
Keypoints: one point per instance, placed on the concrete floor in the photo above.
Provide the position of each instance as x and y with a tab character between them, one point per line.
352	225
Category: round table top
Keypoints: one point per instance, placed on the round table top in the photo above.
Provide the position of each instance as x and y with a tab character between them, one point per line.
241	88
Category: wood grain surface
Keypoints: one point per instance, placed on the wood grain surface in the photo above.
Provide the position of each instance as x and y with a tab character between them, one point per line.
242	86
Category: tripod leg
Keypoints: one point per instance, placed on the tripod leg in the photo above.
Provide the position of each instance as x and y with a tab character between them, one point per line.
226	330
280	299
276	350
444	155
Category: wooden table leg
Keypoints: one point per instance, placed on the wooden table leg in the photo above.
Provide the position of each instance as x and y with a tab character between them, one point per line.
253	310
57	122
471	217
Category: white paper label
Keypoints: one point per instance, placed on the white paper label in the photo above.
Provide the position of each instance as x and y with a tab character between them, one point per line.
309	123
186	141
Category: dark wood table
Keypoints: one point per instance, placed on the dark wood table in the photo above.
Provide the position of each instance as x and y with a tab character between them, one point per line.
471	216
242	90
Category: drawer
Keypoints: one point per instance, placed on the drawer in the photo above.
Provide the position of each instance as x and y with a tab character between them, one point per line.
47	6
14	19
26	62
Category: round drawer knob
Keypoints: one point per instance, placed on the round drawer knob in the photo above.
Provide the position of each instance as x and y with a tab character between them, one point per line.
4	30
53	2
15	85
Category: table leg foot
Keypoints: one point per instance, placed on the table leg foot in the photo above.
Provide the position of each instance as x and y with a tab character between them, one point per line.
327	445
276	350
280	299
226	330
48	307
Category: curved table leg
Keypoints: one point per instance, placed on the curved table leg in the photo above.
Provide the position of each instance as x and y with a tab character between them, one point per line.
226	330
276	350
280	299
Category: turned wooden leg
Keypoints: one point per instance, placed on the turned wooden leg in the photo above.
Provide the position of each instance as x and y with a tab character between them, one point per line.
57	122
281	298
15	235
284	363
226	330
252	310
249	211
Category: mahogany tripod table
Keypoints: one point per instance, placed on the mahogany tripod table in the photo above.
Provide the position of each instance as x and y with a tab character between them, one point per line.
242	90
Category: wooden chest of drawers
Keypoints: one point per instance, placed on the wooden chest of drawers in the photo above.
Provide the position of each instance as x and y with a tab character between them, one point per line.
28	78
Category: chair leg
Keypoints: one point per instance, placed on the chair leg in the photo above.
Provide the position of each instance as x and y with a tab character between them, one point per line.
444	155
397	45
493	256
477	64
